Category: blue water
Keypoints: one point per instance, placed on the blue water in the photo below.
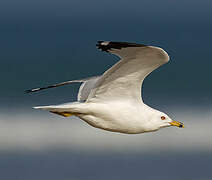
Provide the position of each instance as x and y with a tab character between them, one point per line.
40	52
64	165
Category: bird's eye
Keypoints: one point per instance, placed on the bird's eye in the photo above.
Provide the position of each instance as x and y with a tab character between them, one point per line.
163	117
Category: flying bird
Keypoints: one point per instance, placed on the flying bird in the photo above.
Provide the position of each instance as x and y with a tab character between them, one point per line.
113	101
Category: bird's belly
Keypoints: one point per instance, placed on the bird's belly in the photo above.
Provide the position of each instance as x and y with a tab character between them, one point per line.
124	119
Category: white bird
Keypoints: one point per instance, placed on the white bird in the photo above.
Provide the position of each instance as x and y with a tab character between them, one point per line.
113	101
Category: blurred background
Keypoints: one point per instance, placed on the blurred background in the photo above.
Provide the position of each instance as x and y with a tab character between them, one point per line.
46	42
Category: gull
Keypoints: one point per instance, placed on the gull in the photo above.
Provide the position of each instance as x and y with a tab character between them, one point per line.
113	101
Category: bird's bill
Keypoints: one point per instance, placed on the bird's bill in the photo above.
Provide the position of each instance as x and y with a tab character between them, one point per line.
177	123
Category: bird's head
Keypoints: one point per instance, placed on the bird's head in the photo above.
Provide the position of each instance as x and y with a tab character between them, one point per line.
164	121
160	120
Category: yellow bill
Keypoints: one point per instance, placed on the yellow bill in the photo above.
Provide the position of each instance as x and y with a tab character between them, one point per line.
177	123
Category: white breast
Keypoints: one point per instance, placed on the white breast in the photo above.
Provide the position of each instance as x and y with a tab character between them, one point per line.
132	119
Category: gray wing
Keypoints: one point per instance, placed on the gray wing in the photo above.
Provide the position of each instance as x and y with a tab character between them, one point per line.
87	85
86	88
123	81
55	85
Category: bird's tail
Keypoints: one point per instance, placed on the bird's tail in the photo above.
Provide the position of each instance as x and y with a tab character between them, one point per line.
66	110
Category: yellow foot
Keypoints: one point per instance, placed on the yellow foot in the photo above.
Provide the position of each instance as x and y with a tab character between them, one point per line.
65	114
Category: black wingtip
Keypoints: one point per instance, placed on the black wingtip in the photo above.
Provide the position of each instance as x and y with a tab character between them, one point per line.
32	90
102	45
108	45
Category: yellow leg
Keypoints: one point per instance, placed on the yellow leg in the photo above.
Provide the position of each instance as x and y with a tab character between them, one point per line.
65	114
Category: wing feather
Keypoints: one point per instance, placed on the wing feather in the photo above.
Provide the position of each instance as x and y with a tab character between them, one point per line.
124	79
86	88
87	85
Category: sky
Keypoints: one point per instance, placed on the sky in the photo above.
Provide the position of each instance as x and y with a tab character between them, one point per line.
45	42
